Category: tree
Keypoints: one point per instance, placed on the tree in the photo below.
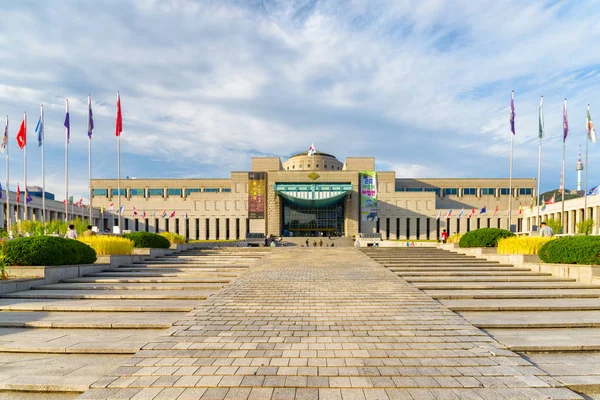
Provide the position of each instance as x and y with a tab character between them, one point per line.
585	227
555	224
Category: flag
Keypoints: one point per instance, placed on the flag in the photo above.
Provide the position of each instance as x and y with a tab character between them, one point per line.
531	206
39	128
134	211
102	209
90	117
18	194
164	214
87	206
111	208
590	127
27	197
154	213
541	119
448	213
565	122
520	209
144	214
186	215
119	122
472	212
544	207
67	122
552	199
483	210
4	138
70	199
122	210
594	191
512	113
22	134
311	149
0	190
495	211
439	215
460	214
80	202
172	214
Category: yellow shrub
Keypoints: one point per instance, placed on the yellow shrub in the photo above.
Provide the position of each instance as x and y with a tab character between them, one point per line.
109	245
521	244
454	238
173	237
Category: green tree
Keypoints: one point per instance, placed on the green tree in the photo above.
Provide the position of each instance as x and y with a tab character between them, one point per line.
555	224
585	227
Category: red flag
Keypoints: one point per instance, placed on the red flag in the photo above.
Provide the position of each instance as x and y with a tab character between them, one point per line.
472	212
495	211
18	193
119	124
22	134
172	214
552	199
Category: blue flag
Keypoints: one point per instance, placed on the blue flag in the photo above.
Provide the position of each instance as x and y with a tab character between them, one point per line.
0	190
67	122
39	128
90	117
483	210
512	113
27	196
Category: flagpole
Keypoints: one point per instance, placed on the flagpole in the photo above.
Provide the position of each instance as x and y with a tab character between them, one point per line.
565	127
511	161
25	216
90	155
43	170
539	176
119	170
587	139
67	167
8	213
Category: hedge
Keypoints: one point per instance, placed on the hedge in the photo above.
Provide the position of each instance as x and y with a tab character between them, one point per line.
147	239
572	250
173	237
484	237
48	250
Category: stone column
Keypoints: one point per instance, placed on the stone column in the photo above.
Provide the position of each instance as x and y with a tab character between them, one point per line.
202	229
412	231
212	224
232	228
192	232
243	228
393	225
222	228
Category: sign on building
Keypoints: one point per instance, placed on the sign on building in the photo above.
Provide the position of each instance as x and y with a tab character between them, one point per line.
256	195
368	196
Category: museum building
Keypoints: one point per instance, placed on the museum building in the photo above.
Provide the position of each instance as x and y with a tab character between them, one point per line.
313	196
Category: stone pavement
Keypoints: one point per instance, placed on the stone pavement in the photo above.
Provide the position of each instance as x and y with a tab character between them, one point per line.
56	340
324	323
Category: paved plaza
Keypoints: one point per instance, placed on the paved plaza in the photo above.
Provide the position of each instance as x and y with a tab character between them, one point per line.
324	323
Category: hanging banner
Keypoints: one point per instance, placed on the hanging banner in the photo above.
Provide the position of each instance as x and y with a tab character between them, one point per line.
368	196
256	195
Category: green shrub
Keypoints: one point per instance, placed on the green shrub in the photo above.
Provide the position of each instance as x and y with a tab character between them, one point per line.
572	250
555	224
585	227
147	239
484	237
48	250
173	237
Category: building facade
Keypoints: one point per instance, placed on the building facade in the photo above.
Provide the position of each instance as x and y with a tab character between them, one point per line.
311	196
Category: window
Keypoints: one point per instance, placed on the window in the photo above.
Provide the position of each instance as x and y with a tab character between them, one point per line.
399	189
469	192
137	192
115	192
414	189
293	167
174	192
488	192
100	192
504	191
307	165
450	191
325	166
317	165
226	190
194	190
155	192
525	192
430	189
211	190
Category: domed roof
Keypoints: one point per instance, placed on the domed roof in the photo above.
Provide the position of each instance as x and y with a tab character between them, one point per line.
317	153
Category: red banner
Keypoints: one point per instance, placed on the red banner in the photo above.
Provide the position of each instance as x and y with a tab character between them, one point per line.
256	195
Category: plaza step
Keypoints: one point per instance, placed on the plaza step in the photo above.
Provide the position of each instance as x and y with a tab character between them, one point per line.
539	294
556	304
158	279
131	286
82	320
533	319
113	294
484	278
97	305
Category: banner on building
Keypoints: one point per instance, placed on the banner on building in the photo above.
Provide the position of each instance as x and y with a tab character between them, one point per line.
256	195
368	196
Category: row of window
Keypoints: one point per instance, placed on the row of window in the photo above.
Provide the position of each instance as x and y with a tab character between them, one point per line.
316	166
470	191
157	192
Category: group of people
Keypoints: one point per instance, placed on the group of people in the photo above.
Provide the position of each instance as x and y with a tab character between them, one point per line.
320	244
72	233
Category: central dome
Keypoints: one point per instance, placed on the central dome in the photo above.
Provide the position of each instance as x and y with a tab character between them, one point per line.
319	161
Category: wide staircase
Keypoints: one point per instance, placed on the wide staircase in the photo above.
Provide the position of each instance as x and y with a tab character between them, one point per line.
56	340
554	322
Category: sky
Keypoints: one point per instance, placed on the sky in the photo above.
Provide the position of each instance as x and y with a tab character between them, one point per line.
424	87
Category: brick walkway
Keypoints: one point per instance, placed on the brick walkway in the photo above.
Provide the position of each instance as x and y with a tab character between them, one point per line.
324	324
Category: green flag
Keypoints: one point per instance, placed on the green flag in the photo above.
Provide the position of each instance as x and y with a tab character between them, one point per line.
541	127
71	199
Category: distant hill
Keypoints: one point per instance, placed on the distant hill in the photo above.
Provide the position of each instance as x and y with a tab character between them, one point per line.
570	194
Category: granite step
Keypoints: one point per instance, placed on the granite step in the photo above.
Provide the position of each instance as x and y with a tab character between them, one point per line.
83	320
533	319
131	286
548	340
450	269
523	304
174	279
539	294
112	294
404	273
157	273
118	305
501	285
483	278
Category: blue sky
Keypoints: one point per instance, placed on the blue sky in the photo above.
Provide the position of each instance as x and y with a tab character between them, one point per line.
205	85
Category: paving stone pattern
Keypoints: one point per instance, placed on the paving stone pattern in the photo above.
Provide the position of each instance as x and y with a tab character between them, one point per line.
324	323
56	340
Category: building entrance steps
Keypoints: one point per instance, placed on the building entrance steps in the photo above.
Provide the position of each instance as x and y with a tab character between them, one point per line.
558	304
417	280
324	324
102	318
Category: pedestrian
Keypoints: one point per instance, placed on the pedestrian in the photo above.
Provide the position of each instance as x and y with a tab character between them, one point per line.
306	242
321	243
71	233
89	232
546	231
315	243
444	236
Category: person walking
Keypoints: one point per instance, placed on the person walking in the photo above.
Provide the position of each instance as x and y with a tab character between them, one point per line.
71	232
444	236
306	242
546	231
89	232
